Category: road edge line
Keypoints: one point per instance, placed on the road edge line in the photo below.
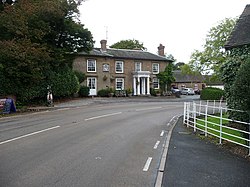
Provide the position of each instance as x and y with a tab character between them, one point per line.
161	169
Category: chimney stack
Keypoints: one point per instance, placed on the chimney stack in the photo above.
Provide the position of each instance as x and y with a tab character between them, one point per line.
103	45
161	50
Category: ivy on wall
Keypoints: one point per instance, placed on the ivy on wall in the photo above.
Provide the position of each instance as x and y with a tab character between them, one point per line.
231	74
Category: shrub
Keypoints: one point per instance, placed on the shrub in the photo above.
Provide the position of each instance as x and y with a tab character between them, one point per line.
83	91
152	92
80	75
210	93
64	83
103	92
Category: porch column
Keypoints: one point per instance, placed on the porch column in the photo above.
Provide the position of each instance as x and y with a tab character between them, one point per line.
134	86
148	86
143	86
138	86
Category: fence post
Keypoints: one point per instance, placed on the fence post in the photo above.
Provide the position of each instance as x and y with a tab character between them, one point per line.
188	111
206	120
220	125
194	112
184	115
200	108
214	107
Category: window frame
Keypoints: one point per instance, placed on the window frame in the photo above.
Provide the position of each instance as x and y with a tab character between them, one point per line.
88	67
156	82
158	68
122	66
121	81
140	66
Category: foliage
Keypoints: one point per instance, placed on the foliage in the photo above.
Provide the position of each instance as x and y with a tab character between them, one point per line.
213	55
103	92
232	75
166	77
64	83
210	93
83	91
80	75
128	44
178	65
152	92
36	38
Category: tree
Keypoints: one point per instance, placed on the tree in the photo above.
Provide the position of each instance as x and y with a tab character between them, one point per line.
35	42
166	78
178	65
213	55
128	44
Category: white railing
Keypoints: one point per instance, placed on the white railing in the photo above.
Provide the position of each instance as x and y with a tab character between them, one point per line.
210	117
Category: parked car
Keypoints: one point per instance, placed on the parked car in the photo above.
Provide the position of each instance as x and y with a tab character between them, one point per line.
187	91
175	90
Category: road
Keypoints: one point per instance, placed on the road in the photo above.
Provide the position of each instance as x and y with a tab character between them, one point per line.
116	144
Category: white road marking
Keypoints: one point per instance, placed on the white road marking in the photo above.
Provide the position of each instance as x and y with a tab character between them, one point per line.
146	167
152	108
156	144
162	133
63	109
102	116
31	134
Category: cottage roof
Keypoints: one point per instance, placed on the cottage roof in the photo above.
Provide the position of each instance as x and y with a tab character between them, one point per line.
241	33
126	54
184	78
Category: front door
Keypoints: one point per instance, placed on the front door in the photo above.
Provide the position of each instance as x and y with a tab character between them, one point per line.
91	81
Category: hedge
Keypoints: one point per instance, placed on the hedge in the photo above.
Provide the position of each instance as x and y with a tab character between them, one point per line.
211	93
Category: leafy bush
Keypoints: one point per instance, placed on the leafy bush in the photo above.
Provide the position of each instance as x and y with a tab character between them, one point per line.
80	75
152	92
103	92
210	93
64	83
83	91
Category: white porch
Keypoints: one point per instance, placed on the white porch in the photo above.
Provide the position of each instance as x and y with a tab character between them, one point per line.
141	83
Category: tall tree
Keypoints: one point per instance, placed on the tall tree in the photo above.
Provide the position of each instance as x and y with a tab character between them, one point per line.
35	40
128	44
213	54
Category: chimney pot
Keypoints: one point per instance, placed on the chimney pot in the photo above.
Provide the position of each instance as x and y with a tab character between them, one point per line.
103	45
161	50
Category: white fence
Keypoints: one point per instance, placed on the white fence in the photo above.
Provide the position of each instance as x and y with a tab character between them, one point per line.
211	118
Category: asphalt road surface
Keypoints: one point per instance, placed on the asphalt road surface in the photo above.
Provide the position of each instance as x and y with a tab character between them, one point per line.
116	144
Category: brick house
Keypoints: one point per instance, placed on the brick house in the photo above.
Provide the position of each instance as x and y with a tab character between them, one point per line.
188	81
121	69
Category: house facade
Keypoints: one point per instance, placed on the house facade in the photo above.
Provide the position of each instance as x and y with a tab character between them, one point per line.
121	69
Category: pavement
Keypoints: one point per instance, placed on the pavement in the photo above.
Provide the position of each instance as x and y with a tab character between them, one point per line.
196	162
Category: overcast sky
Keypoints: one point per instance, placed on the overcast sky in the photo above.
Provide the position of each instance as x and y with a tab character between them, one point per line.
180	25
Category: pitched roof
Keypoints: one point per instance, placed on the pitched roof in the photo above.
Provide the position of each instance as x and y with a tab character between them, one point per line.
241	33
126	54
180	77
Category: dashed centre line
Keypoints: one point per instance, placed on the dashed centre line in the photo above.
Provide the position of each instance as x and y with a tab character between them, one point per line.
31	134
102	116
152	108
